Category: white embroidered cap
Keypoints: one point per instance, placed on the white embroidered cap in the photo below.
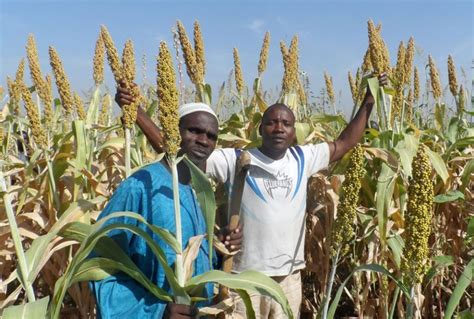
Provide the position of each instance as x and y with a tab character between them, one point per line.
189	108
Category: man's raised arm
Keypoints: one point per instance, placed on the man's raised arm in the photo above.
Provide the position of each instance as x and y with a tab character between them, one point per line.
149	128
353	132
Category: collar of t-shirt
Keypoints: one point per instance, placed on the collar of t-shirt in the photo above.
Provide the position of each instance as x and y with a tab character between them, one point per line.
269	165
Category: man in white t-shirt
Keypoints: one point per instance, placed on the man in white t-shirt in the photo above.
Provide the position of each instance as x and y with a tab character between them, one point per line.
274	196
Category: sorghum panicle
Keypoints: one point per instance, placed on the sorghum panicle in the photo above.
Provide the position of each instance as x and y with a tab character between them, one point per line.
409	57
47	107
262	62
329	88
98	61
35	70
453	82
62	82
194	72
461	100
39	135
376	49
168	100
409	105
81	113
285	86
416	85
342	231
293	63
302	94
105	109
418	216
400	67
112	54
353	87
434	76
128	62
15	95
367	63
199	48
239	79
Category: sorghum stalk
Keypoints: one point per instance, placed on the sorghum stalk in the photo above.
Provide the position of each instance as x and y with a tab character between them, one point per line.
418	217
343	231
22	264
168	115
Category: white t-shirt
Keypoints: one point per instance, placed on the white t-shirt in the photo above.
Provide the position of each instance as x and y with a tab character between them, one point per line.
273	205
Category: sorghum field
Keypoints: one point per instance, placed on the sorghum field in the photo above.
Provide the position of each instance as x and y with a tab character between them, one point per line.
390	227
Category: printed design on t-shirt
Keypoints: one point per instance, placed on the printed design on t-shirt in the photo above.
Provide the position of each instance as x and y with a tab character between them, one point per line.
298	154
253	185
282	181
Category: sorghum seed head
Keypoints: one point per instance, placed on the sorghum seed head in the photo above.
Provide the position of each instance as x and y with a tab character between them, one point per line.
199	48
239	79
98	61
418	219
434	76
262	62
112	54
343	231
453	82
168	100
62	82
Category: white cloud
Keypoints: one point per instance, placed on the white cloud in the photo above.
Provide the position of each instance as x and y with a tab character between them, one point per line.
256	25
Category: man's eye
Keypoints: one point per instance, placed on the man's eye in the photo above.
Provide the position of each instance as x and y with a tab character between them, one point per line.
212	137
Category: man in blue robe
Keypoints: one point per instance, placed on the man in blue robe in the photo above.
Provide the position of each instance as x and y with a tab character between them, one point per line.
149	192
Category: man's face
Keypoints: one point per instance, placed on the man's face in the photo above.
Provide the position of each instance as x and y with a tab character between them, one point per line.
198	136
277	129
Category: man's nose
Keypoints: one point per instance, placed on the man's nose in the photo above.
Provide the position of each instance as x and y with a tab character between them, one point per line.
202	139
278	127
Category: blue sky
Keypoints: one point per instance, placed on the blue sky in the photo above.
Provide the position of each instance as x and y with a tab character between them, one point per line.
332	34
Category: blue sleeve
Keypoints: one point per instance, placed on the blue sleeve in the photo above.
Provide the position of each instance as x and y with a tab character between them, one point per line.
120	296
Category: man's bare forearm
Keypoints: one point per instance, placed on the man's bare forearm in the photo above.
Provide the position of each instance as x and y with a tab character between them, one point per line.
353	132
151	131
